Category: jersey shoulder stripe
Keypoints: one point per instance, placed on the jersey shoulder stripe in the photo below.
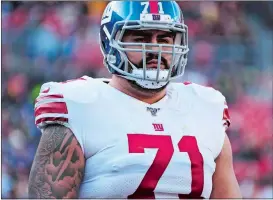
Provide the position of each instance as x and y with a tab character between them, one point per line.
50	107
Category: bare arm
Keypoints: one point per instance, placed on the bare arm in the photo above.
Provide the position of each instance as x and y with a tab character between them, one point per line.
58	167
225	184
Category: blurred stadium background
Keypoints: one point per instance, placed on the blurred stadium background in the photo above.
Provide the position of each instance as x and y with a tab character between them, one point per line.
230	49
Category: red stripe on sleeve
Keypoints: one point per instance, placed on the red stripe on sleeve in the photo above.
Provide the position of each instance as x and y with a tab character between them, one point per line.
51	119
153	7
226	117
226	114
46	91
53	96
54	107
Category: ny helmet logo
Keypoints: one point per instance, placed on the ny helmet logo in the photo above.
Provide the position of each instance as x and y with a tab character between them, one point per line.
153	110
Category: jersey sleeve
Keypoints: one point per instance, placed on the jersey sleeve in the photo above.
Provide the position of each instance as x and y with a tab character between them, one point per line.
220	109
50	106
223	118
215	97
54	105
213	105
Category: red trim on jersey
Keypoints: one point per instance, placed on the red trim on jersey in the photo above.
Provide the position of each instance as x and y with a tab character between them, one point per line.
54	107
187	83
46	91
226	117
226	114
52	96
51	119
153	7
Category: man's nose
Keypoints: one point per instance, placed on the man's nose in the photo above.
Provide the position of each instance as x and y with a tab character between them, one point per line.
154	45
154	40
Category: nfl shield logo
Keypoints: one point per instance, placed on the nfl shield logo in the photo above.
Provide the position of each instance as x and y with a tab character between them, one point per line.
153	110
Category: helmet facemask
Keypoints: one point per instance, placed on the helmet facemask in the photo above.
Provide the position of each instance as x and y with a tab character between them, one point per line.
150	78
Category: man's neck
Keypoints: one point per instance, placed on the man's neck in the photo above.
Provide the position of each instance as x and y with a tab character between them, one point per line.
124	86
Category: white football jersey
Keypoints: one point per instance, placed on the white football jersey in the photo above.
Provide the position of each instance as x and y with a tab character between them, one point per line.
138	150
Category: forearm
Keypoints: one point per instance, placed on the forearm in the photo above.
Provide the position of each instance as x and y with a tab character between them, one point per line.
58	166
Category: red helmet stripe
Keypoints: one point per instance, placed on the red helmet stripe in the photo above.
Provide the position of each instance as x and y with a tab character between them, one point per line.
153	6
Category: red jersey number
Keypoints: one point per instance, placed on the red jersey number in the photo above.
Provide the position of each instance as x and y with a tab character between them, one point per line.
137	143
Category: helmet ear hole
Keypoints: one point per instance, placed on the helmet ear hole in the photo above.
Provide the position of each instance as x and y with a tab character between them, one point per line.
115	58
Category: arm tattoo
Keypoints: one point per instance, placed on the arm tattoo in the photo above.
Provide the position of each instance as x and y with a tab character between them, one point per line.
58	167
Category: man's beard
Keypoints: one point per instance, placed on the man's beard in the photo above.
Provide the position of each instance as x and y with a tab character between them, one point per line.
150	56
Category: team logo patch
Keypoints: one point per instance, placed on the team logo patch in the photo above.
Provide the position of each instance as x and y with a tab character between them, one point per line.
156	17
158	127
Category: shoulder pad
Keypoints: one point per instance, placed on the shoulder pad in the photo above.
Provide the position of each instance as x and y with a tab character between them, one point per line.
51	103
204	92
209	95
212	95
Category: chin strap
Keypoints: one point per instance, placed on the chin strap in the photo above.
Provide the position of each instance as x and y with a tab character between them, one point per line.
150	74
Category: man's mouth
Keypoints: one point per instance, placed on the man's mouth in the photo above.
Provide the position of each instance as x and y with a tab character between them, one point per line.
153	64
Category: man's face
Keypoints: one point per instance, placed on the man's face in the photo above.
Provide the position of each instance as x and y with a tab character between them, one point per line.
149	36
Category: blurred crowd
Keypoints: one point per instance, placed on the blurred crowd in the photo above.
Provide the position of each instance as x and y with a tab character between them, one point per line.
230	49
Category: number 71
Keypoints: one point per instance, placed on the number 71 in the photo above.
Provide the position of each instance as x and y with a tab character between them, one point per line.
137	144
146	5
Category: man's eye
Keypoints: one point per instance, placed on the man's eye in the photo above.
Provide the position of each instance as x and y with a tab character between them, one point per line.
139	40
165	41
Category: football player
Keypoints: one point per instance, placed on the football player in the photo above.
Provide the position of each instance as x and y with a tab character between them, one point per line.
138	135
